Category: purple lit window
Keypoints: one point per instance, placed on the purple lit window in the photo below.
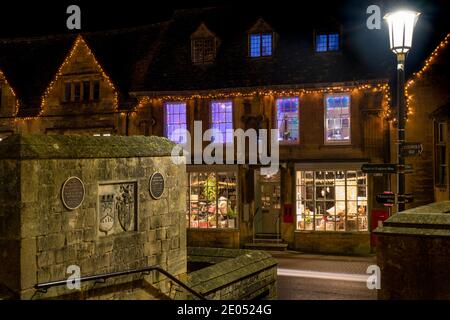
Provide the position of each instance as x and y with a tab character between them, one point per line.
287	119
337	118
176	120
327	42
260	45
222	119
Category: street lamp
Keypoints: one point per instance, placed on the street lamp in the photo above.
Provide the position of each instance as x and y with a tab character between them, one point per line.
401	27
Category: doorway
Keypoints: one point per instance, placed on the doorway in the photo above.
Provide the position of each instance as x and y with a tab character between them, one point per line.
268	201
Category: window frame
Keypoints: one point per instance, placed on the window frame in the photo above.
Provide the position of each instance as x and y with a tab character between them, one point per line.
213	169
232	117
325	122
203	47
282	142
165	114
260	35
327	34
440	145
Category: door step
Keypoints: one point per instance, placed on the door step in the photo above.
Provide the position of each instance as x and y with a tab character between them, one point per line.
268	246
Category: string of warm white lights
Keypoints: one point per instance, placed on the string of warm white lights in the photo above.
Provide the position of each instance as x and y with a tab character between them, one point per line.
384	88
11	89
418	75
79	41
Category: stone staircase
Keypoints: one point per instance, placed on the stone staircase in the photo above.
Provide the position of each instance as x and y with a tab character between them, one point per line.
268	242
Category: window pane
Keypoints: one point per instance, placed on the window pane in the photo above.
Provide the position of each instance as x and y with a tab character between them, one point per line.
96	90
76	91
255	45
267	44
288	118
176	122
337	118
86	91
222	119
67	92
321	43
333	42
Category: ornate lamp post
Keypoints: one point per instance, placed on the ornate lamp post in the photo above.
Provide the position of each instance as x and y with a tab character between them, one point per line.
401	27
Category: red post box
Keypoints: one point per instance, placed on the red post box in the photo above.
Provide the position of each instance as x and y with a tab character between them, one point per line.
378	216
288	214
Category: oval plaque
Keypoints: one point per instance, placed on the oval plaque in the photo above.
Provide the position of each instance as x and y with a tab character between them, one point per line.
156	185
72	193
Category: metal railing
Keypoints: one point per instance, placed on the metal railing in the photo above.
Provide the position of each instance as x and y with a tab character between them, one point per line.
43	287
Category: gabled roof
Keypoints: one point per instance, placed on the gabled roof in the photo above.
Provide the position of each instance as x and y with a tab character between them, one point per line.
30	64
294	61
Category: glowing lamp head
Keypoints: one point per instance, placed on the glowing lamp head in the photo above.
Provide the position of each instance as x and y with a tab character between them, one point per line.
401	27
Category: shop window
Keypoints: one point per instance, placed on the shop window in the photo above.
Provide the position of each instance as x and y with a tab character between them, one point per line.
288	119
176	122
222	120
440	153
327	42
212	200
260	44
331	201
337	118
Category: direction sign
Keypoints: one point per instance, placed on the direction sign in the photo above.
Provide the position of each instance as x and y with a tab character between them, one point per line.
409	149
379	168
389	198
407	168
386	198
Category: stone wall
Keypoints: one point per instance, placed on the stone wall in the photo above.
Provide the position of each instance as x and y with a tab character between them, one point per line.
213	238
357	243
234	275
40	237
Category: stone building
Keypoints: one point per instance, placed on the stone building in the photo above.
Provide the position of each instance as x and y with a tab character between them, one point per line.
428	102
315	83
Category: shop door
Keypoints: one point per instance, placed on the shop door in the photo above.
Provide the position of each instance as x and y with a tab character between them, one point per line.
270	205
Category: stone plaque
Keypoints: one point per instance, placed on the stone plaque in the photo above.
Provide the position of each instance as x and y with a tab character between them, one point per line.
157	185
117	208
72	193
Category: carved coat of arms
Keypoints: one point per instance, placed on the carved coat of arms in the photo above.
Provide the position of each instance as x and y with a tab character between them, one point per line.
125	206
106	213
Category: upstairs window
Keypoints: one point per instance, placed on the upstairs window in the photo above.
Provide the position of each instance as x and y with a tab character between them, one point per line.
86	91
260	44
288	119
337	118
203	45
203	50
176	122
67	92
327	42
440	138
96	90
222	119
82	91
76	91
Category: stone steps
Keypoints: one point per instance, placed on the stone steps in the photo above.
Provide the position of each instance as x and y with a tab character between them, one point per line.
267	246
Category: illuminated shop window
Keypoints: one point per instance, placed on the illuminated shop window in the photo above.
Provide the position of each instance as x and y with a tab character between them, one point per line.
327	42
222	119
331	201
288	119
260	45
337	118
176	122
212	200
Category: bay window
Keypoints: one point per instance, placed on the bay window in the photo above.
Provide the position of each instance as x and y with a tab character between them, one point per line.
331	200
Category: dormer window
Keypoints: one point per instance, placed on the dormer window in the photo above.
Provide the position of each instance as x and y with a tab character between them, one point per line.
327	42
260	45
203	45
261	40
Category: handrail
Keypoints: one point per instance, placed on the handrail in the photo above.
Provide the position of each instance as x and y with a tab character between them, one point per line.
47	285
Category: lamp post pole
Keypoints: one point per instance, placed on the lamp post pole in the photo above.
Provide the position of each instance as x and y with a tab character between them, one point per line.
401	115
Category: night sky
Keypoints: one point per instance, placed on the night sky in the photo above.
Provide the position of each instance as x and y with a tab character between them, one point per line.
35	18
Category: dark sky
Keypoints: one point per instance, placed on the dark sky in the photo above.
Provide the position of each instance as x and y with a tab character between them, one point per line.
20	18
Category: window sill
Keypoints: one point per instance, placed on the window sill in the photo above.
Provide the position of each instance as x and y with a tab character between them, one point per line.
332	232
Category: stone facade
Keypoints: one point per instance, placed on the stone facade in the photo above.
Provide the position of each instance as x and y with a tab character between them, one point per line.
413	254
40	237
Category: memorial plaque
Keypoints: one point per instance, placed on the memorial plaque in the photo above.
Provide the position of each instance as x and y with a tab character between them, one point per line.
157	185
72	193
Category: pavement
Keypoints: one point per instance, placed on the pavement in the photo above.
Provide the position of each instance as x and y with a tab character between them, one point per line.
323	277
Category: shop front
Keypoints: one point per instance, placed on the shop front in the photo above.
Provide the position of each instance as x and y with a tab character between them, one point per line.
332	206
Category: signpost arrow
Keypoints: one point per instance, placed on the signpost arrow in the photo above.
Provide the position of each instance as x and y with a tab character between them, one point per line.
410	149
386	198
405	198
